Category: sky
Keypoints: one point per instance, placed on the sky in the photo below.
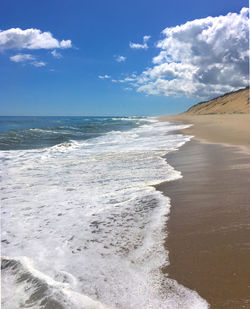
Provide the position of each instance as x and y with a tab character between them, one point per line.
119	58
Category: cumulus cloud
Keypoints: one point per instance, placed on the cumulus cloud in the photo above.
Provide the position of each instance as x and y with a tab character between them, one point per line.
104	76
56	54
27	59
120	58
202	58
16	38
140	46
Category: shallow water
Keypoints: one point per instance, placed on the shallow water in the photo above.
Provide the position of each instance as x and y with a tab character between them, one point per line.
82	225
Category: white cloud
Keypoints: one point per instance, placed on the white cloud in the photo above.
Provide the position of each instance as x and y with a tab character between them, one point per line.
104	76
27	59
38	63
129	79
22	58
120	58
202	58
56	54
65	44
140	46
16	38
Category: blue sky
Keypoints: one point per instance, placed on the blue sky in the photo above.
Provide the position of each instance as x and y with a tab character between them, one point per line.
77	72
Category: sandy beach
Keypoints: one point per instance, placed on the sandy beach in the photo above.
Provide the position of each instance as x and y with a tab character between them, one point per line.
233	129
208	227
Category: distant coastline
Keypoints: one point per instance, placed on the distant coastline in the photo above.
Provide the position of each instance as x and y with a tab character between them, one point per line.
224	120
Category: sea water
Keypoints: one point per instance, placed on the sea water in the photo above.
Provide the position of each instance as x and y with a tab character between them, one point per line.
82	224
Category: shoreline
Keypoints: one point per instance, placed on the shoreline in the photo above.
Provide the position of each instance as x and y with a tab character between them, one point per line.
223	129
209	219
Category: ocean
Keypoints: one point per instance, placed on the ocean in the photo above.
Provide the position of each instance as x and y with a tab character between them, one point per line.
82	225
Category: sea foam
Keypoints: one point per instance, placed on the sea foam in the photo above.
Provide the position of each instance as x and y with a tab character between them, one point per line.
83	226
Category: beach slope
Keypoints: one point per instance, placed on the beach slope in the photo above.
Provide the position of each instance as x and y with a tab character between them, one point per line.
208	227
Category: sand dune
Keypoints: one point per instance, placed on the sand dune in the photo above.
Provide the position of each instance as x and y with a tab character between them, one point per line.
225	119
229	103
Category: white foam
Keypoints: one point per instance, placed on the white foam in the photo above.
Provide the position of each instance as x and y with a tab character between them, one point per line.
43	289
87	212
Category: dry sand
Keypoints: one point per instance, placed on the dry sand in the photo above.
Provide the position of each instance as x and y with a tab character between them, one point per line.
233	129
209	224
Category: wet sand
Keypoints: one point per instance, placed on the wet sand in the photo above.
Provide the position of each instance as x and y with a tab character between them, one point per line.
209	224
